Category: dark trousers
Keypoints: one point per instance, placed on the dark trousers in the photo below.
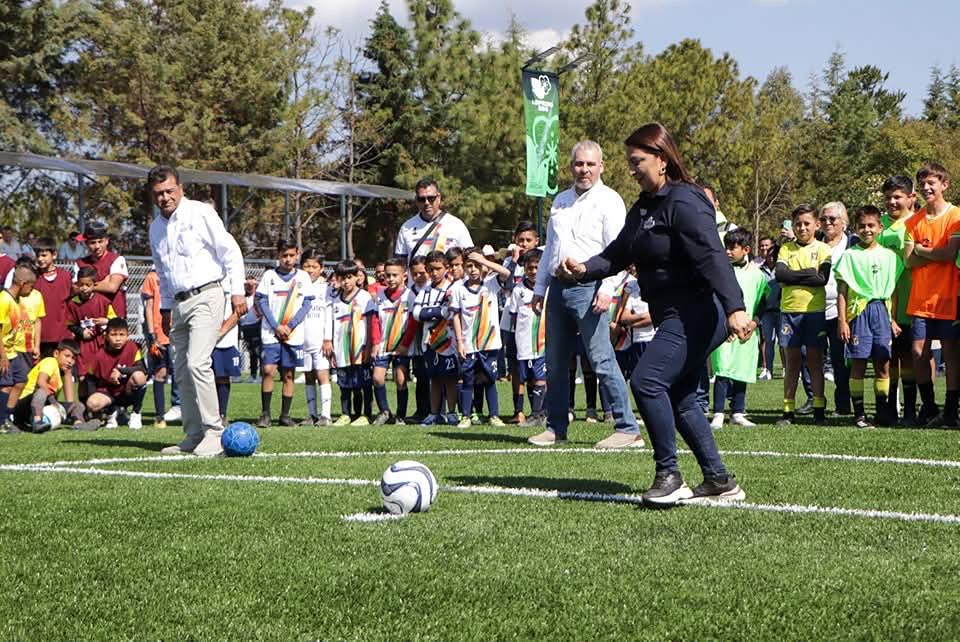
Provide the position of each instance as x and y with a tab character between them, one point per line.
253	342
736	391
841	372
665	384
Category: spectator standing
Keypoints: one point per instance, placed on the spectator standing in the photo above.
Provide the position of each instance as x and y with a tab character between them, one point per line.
73	248
432	228
111	267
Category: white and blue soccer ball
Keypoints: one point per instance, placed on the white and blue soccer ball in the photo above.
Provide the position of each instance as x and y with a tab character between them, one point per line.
53	415
408	487
240	439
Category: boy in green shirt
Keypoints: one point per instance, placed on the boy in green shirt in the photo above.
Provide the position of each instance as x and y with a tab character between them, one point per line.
734	363
867	276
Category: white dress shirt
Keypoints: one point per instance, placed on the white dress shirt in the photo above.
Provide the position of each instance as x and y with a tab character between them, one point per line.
580	227
193	248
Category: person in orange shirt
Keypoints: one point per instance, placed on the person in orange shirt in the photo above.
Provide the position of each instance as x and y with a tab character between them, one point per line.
931	245
160	353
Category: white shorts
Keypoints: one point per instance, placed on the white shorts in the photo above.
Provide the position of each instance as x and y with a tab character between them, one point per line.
313	360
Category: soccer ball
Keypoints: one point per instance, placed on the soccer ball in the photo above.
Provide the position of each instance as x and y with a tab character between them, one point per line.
240	439
408	487
53	415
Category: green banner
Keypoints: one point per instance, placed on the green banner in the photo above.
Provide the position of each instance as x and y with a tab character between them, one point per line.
541	110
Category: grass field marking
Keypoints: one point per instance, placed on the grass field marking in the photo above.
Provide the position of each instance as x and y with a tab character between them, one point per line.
371	517
535	493
870	459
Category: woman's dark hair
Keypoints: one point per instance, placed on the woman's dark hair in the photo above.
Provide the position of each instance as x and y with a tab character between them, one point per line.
654	138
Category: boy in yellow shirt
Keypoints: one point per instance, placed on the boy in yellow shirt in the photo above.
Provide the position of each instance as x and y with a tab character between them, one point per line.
44	382
803	269
19	331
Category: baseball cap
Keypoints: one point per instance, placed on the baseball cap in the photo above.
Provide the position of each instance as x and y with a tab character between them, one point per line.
95	230
488	250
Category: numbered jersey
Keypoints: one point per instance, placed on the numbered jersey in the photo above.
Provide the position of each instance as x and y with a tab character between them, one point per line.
350	327
530	328
395	315
285	295
437	334
479	311
232	338
317	325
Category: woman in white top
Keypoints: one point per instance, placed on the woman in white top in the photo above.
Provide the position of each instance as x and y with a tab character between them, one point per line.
833	224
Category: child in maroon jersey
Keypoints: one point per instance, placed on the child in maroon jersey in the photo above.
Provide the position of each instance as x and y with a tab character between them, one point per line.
87	317
56	287
110	268
118	374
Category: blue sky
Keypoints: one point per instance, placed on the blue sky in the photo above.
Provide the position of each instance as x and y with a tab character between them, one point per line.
903	39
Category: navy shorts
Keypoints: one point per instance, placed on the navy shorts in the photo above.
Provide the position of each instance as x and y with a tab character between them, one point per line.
394	360
509	340
531	370
477	362
354	377
870	334
17	372
226	362
283	354
439	365
934	329
799	329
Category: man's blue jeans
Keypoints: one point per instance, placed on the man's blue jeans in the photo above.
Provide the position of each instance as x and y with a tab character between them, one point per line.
570	309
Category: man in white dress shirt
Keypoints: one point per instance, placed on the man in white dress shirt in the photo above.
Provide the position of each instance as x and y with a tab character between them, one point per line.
193	254
583	221
431	228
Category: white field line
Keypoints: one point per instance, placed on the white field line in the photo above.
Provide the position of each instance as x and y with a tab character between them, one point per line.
371	517
866	459
519	492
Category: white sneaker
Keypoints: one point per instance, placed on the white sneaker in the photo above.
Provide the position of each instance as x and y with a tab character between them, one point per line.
173	414
765	375
135	422
111	422
210	446
740	419
828	375
717	421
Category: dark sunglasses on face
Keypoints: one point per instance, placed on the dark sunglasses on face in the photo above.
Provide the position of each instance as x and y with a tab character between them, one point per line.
829	219
431	198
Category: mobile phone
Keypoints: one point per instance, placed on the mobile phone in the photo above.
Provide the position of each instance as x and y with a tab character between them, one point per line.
787	224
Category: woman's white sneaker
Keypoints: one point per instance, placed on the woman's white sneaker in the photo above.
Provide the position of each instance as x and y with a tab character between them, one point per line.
717	421
740	419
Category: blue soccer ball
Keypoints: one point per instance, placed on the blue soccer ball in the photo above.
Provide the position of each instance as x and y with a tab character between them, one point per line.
240	439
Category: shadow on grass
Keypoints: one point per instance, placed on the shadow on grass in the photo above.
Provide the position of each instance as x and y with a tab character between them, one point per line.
579	486
466	435
119	443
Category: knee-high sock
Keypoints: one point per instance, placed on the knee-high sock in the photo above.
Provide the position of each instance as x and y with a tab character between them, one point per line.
357	402
368	400
223	397
159	398
346	396
285	404
465	397
403	396
538	394
478	398
380	392
517	404
493	401
590	387
138	396
326	398
856	396
881	391
572	382
265	398
310	392
909	392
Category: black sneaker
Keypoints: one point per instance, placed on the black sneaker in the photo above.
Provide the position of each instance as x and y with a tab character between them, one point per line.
926	414
885	419
383	418
943	421
786	419
667	489
264	421
717	489
819	416
286	420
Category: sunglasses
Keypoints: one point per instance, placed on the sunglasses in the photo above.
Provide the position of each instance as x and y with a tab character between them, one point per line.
431	198
829	219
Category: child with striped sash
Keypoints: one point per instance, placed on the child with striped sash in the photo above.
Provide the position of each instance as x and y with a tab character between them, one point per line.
356	340
432	310
530	332
394	305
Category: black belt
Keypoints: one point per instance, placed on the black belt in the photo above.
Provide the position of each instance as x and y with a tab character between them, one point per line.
180	297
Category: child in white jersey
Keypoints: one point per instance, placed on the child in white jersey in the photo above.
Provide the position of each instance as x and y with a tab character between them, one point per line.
226	357
394	305
432	310
316	329
476	325
530	333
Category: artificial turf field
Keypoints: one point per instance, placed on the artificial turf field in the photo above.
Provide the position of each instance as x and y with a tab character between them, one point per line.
845	534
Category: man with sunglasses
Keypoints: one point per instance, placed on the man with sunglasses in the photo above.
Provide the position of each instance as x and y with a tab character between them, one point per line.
833	226
431	228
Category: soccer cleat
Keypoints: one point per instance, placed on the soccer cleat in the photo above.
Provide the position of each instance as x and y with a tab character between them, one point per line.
806	408
342	420
926	414
497	422
465	422
943	420
263	421
535	421
383	418
399	421
475	418
518	418
621	440
210	445
135	422
453	419
786	419
286	420
740	419
546	438
862	422
172	415
323	421
765	375
432	420
717	422
717	490
362	420
667	489
591	417
159	423
111	422
10	428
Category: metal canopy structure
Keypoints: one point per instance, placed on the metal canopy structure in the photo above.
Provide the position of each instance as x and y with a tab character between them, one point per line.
89	169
